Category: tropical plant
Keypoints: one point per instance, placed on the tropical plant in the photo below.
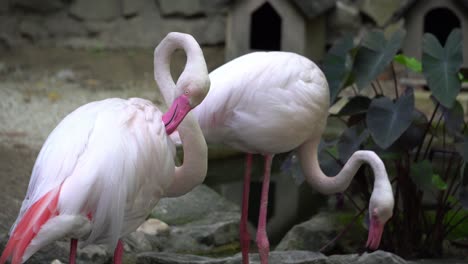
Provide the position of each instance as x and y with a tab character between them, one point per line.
425	152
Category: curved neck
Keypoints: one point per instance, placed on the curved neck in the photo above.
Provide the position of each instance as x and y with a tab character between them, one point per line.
195	163
162	62
308	158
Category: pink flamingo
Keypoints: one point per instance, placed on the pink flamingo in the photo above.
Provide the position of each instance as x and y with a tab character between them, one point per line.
106	165
274	102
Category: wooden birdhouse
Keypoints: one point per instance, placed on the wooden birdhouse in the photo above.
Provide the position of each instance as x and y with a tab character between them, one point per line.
288	25
438	17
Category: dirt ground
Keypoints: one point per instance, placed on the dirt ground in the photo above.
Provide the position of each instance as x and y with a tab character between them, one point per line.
40	85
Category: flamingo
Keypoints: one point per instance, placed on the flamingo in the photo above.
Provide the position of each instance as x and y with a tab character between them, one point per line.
106	164
273	102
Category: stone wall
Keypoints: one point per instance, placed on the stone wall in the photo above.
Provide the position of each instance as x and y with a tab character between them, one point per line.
109	23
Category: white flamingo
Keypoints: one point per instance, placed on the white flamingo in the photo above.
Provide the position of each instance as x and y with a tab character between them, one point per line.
274	102
106	165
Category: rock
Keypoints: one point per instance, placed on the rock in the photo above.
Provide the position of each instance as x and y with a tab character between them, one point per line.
153	227
310	235
193	206
380	11
4	6
132	7
344	18
39	5
62	25
66	75
56	261
33	29
206	30
137	242
95	10
193	7
276	257
367	258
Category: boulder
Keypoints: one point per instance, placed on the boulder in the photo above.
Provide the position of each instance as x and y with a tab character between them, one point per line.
311	235
38	5
33	28
4	6
132	7
193	7
61	25
380	11
192	207
276	257
95	10
367	258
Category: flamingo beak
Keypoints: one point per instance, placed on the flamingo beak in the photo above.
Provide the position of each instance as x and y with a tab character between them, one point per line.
176	113
375	233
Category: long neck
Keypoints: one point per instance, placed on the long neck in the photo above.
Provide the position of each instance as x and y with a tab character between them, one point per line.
195	164
308	157
162	62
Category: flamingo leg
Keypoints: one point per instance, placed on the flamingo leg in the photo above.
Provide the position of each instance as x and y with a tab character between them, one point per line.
262	238
118	253
244	232
73	248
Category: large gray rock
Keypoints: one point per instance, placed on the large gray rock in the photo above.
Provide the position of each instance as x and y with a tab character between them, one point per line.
95	10
192	7
377	257
192	207
132	7
276	257
38	5
62	25
201	221
4	6
206	30
311	235
380	11
33	28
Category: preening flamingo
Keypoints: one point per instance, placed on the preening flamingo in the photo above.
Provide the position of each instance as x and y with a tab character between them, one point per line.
106	165
274	102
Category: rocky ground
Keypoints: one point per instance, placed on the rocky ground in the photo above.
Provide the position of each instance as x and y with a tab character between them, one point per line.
39	86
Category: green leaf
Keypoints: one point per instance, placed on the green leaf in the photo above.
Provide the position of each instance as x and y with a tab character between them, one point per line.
409	62
386	120
356	105
441	66
454	120
438	182
374	55
422	175
337	65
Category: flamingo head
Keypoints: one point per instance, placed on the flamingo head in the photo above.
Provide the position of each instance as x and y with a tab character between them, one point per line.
192	90
380	211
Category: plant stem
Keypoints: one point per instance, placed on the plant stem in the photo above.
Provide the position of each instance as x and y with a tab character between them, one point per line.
425	132
426	152
375	89
395	80
450	229
352	201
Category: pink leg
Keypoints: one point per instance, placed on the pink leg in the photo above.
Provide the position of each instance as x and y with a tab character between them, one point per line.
262	237
118	253
244	233
73	247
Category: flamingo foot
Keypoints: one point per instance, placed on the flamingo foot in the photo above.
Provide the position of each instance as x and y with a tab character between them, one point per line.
118	253
244	232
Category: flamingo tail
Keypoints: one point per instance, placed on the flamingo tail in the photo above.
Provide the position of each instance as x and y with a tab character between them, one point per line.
35	217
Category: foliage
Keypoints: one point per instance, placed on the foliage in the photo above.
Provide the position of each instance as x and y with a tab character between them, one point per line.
426	154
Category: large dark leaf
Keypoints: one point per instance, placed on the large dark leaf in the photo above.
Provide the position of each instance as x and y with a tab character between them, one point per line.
441	66
337	65
350	141
454	120
355	105
413	136
374	55
386	120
